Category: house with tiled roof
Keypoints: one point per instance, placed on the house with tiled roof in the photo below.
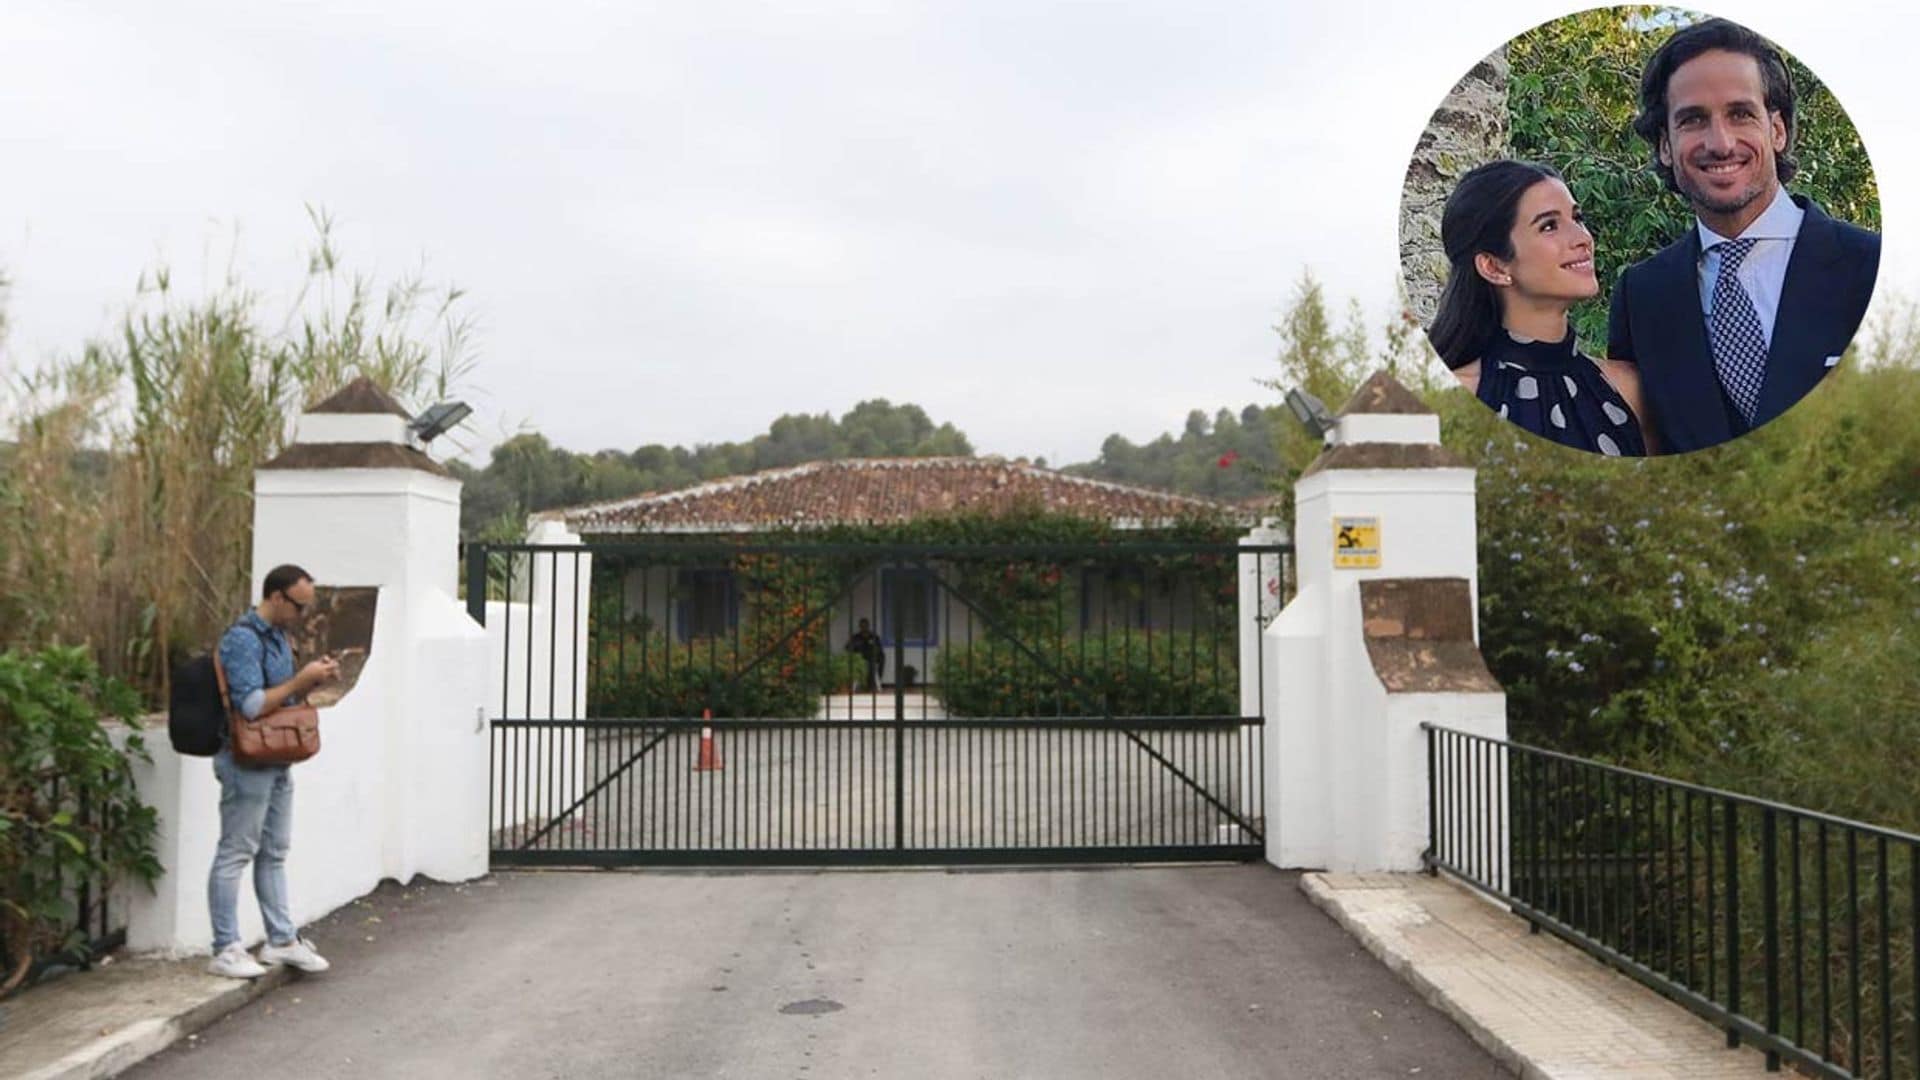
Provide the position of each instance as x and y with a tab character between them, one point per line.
906	604
883	491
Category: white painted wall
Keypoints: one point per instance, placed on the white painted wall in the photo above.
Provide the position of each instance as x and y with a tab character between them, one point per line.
536	774
397	789
1261	586
314	428
1346	761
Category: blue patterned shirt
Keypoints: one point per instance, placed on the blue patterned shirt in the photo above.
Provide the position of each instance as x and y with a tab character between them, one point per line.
256	656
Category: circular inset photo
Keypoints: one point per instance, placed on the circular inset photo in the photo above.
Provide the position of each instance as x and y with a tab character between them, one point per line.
1640	233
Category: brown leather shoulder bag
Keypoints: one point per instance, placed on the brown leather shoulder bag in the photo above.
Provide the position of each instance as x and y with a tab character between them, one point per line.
284	736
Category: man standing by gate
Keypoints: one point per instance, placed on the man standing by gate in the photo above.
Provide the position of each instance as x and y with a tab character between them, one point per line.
256	802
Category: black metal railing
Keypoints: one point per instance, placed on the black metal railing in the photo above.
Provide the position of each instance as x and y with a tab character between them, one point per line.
1795	931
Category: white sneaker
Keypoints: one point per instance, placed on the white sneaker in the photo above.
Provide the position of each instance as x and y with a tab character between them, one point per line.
234	963
299	954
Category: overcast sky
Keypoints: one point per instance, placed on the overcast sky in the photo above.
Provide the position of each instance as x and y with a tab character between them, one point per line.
1042	222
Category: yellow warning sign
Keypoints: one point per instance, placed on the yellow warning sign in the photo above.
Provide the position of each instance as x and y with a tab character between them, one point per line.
1356	543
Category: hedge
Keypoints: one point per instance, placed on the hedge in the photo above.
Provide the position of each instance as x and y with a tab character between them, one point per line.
644	674
1128	673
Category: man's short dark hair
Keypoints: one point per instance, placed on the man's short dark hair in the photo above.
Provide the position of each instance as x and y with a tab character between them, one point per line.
1691	42
281	578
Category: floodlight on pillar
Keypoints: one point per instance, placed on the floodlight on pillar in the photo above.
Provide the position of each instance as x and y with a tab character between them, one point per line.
438	420
1311	412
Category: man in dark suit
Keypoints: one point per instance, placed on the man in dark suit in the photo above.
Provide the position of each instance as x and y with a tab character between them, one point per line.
1741	317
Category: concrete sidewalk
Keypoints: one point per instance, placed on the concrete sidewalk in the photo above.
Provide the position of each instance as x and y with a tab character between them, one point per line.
1539	1005
97	1023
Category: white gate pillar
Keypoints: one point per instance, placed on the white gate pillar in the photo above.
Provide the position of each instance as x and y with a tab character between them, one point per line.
400	785
1380	637
356	502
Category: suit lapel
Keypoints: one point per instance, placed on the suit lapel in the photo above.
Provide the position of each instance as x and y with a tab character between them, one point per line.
1796	357
1692	410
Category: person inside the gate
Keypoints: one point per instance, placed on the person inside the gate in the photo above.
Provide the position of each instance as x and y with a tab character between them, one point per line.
256	802
1519	256
866	644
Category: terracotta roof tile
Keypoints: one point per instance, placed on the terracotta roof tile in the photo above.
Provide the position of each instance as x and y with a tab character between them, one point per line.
1383	394
881	491
361	396
355	456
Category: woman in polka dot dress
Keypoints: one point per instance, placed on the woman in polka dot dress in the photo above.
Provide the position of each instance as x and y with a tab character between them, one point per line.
1520	258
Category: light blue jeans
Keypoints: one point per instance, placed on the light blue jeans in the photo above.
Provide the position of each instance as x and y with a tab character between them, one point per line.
256	825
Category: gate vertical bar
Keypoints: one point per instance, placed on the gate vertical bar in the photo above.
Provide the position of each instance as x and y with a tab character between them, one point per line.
1887	1023
1770	907
477	582
1433	806
899	714
1732	840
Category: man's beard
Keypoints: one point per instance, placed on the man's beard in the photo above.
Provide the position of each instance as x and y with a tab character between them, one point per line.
1704	200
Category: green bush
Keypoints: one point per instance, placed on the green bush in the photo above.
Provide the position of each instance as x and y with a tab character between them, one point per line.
1741	616
643	673
1118	674
68	810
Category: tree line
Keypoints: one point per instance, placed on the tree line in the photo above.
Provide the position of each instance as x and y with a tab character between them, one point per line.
1227	454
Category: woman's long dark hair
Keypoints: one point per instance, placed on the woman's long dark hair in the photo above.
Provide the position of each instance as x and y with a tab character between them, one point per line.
1478	217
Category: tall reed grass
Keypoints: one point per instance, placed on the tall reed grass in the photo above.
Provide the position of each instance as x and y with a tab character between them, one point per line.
126	492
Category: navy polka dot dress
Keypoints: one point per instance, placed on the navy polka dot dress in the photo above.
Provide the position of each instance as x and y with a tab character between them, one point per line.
1551	390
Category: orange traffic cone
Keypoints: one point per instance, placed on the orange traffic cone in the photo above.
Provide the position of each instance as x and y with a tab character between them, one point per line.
709	754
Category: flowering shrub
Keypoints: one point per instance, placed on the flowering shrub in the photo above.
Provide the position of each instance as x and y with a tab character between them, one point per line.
645	674
1127	673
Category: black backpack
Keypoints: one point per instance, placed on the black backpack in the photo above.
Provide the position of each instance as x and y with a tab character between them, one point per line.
195	713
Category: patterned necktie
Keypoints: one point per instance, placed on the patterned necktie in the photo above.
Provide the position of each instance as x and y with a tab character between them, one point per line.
1739	347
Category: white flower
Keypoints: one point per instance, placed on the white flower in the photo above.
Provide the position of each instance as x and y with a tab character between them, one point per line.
1575	666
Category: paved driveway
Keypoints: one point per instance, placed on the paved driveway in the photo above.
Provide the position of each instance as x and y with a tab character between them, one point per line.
1206	971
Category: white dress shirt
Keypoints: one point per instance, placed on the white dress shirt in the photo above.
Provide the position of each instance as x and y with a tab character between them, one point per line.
1764	272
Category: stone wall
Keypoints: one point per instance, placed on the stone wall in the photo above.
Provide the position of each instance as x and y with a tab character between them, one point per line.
1468	129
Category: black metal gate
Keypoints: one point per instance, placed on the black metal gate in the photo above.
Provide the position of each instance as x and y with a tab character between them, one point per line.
703	703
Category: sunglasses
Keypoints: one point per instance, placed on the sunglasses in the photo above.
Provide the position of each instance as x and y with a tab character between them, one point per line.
298	607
